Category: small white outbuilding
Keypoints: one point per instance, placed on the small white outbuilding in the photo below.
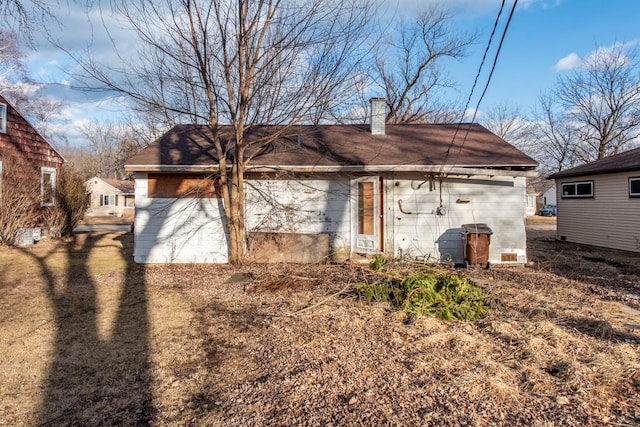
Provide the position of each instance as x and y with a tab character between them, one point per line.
334	191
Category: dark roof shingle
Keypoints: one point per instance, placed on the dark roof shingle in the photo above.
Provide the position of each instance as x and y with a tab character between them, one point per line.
127	187
343	145
623	162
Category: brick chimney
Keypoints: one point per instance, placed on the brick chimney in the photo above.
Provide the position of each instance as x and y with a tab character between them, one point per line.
378	115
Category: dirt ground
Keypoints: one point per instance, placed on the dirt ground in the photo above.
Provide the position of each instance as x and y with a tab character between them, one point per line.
89	338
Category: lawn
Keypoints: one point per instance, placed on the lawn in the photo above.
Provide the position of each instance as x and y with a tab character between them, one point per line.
89	338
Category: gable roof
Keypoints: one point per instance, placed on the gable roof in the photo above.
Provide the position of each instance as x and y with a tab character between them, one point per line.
415	147
623	162
125	187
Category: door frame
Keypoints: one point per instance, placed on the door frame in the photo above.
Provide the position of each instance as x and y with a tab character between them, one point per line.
368	243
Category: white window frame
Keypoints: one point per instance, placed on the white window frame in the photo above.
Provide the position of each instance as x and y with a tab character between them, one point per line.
530	201
106	199
3	118
48	171
575	194
631	192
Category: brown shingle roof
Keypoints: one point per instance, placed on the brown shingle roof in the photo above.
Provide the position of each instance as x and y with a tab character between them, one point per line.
343	145
127	187
623	162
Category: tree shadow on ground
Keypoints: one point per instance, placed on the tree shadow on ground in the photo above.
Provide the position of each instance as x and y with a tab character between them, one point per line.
600	329
99	366
605	268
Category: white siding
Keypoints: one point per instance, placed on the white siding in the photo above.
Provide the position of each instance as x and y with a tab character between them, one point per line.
192	230
422	234
306	206
178	230
610	219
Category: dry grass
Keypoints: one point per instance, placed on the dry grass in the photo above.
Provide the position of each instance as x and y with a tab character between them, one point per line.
110	343
111	219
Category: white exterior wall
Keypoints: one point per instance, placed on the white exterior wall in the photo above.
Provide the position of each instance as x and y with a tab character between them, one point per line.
191	230
306	206
498	202
177	230
610	219
549	197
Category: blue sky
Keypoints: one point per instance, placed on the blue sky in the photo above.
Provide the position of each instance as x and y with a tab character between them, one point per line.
545	38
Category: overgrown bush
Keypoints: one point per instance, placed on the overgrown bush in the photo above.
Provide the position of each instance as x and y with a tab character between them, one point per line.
19	206
71	205
447	296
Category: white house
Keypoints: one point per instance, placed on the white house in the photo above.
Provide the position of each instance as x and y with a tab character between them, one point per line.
110	197
334	191
599	202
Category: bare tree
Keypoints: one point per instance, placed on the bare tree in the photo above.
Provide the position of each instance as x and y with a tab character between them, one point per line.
241	63
602	100
23	12
407	65
556	141
508	122
18	88
109	145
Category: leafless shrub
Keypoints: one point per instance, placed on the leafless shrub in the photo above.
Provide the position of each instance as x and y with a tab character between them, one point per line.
71	205
19	206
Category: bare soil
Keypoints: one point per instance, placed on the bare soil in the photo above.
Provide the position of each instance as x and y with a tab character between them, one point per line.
88	338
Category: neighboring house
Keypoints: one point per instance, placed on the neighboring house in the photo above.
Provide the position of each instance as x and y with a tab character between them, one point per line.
599	202
110	197
531	198
335	190
546	191
30	168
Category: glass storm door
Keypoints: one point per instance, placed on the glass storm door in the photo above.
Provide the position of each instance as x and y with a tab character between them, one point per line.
368	218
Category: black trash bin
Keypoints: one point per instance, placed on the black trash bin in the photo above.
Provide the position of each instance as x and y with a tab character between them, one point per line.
476	239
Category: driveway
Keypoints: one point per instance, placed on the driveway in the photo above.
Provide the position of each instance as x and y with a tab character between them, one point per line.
102	227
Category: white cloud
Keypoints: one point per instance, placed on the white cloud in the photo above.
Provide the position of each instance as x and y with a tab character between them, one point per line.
569	62
606	54
601	53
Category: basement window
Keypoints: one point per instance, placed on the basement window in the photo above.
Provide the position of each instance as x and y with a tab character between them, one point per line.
3	118
634	187
577	190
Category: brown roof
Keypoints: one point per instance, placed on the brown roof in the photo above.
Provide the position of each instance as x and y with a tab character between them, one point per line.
127	187
351	146
623	162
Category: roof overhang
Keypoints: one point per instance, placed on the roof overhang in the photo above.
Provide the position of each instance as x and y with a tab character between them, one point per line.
435	170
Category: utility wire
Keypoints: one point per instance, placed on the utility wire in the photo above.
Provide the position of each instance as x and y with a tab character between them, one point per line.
475	81
484	57
495	61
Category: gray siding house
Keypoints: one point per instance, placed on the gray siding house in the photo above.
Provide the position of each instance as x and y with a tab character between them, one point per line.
599	202
332	191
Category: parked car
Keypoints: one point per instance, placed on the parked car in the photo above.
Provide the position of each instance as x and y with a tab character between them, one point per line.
548	210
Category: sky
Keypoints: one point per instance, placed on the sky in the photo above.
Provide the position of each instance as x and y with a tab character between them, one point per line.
545	39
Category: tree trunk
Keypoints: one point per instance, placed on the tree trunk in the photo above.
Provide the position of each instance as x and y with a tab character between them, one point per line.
235	216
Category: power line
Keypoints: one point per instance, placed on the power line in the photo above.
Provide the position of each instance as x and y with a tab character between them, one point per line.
495	61
484	57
